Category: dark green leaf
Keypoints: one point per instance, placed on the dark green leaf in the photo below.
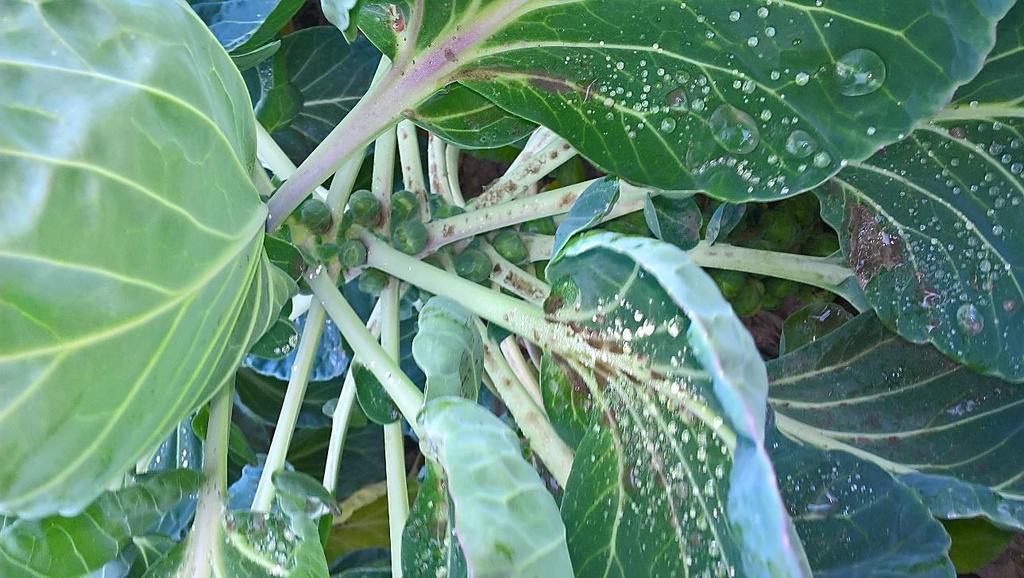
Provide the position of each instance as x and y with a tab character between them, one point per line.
567	398
248	60
470	121
238	447
723	221
930	225
430	546
855	520
329	76
362	461
278	341
675	220
672	462
811	323
373	399
132	240
58	546
706	95
503	518
910	410
242	26
263	396
590	207
449	349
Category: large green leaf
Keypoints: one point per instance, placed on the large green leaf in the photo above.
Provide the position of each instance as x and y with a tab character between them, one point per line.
327	76
56	546
910	410
470	121
245	25
671	475
930	224
745	99
855	520
504	521
133	275
449	349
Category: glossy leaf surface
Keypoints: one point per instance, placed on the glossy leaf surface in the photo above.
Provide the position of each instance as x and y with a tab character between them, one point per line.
505	521
670	475
855	520
58	546
468	120
950	432
245	25
133	275
741	99
931	225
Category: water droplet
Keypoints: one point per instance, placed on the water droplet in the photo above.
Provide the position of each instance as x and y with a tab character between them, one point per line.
734	16
801	144
802	78
734	129
860	72
970	319
668	125
822	160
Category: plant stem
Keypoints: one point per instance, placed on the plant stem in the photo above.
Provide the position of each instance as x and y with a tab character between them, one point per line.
309	342
394	441
525	172
546	204
383	179
412	164
403	392
437	168
513	314
530	418
380	108
451	163
523	370
508	276
273	158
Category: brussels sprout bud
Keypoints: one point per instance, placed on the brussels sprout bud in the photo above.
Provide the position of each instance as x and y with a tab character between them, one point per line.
780	288
542	226
748	302
509	245
730	283
372	281
822	245
315	215
473	264
404	206
445	211
364	207
410	237
782	229
352	254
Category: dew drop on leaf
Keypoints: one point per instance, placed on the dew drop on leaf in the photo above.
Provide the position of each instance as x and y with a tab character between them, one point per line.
801	144
860	72
668	125
970	319
734	129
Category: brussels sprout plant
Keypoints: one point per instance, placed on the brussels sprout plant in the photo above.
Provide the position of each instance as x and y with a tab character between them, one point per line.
510	288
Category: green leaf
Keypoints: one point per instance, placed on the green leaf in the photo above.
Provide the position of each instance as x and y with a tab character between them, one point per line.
673	460
248	60
430	546
709	95
373	398
58	546
675	220
951	434
342	14
929	224
328	76
239	450
242	26
722	222
505	521
131	245
468	120
449	349
363	522
362	461
590	207
278	341
810	323
976	543
854	519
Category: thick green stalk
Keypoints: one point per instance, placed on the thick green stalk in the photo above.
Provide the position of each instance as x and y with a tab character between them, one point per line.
301	368
530	417
394	440
403	392
339	429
